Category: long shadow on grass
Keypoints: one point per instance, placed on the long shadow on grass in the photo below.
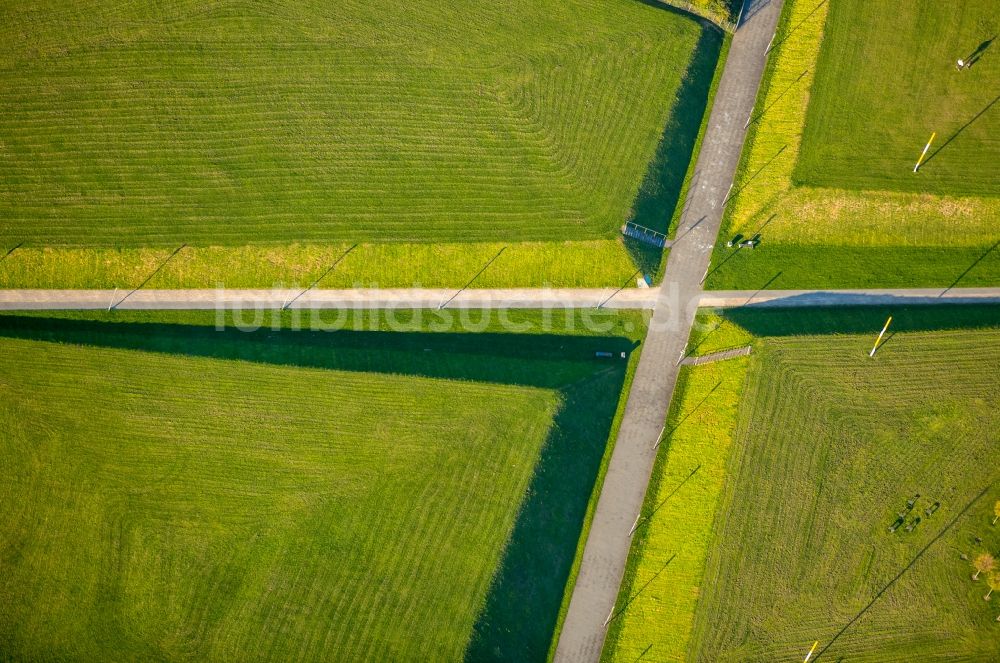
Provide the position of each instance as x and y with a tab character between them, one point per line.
732	6
521	608
659	193
459	356
902	572
972	266
820	320
963	128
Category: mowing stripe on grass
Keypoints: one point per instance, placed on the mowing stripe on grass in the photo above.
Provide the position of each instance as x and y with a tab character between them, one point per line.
294	122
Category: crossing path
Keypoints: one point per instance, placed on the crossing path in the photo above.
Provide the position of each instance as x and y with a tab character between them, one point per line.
592	602
528	298
718	356
674	304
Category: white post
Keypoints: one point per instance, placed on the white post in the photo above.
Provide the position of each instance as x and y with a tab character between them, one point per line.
111	304
879	339
659	438
635	524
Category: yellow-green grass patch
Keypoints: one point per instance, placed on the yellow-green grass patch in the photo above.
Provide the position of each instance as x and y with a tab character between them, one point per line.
655	610
597	263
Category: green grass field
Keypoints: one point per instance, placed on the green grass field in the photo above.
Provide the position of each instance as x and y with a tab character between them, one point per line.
830	446
826	173
261	134
175	491
877	99
765	526
235	123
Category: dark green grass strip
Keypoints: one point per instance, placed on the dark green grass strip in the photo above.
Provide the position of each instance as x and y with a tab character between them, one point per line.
811	266
861	319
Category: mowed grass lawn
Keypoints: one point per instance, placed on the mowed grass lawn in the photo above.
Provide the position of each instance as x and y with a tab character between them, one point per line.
171	491
765	526
159	507
829	447
851	94
245	122
887	80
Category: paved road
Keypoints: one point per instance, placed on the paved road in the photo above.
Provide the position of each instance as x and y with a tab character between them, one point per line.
631	464
633	298
358	298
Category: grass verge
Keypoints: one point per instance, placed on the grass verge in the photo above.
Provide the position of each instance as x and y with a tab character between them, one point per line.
599	263
655	609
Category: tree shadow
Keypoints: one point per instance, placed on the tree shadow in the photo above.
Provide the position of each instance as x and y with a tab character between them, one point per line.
322	276
901	573
457	356
777	99
673	492
522	607
624	285
10	251
150	277
633	597
746	184
752	8
646	257
733	7
977	54
522	604
971	267
659	194
476	276
798	25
